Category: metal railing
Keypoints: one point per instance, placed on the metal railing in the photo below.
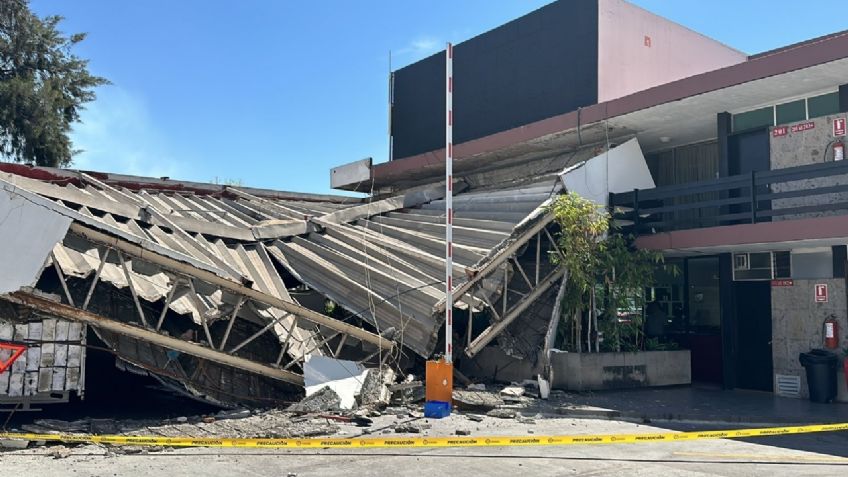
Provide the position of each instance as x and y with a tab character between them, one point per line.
781	194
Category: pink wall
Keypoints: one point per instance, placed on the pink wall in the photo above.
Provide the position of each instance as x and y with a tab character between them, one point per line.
638	50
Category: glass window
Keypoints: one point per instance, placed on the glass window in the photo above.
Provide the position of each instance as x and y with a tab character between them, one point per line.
752	266
791	112
812	263
753	119
823	105
665	299
782	265
704	303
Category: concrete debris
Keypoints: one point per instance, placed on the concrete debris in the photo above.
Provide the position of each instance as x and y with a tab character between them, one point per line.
405	385
476	387
407	393
407	428
103	426
375	390
502	413
52	425
59	452
232	414
476	400
325	399
317	415
512	391
13	444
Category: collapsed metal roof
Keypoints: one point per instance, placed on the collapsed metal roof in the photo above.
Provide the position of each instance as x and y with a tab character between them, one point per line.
381	260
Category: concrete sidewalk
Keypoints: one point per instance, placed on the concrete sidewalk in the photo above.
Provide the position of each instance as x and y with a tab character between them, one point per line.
702	405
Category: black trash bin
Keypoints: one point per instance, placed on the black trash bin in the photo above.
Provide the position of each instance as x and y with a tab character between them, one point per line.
821	374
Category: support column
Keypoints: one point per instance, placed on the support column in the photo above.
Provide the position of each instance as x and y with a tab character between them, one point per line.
843	98
724	127
728	320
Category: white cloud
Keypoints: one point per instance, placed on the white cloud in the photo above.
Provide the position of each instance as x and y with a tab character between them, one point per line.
117	134
423	46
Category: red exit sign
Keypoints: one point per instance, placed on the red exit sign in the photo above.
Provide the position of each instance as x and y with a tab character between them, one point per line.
838	127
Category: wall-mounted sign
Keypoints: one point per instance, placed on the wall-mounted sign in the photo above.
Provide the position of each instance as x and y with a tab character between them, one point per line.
803	126
821	293
783	283
779	131
838	127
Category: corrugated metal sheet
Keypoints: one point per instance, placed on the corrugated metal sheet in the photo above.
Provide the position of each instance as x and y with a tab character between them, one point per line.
387	269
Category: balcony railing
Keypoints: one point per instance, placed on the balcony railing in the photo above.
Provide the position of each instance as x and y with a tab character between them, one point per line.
781	194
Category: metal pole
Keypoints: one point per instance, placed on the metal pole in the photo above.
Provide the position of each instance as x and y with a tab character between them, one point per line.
449	203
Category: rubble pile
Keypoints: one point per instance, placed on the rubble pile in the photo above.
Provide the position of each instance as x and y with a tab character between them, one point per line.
382	408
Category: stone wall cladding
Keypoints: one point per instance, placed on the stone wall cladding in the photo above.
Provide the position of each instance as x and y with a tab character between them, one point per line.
798	322
801	148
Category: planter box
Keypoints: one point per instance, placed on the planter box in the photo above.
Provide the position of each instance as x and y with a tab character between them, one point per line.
598	371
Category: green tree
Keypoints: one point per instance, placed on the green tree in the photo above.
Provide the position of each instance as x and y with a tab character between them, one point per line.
607	277
43	86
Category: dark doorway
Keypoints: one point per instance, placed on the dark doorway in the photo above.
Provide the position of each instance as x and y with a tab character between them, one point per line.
753	335
704	319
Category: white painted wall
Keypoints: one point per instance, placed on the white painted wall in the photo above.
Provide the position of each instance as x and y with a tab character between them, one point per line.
343	377
627	64
28	233
621	169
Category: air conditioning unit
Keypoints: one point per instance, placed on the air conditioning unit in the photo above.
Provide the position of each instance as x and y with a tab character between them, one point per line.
741	261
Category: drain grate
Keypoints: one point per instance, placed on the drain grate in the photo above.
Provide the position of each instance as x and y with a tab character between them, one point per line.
788	385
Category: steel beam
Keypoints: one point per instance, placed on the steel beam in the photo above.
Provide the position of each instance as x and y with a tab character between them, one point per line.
499	257
493	331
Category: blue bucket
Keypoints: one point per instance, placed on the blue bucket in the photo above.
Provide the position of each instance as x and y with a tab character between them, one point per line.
437	409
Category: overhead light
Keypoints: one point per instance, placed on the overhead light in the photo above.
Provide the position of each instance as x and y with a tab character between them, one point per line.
664	139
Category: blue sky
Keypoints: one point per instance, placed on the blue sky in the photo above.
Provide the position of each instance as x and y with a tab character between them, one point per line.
276	92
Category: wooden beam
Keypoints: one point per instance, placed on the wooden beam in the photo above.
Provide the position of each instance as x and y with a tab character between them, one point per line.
229	285
71	313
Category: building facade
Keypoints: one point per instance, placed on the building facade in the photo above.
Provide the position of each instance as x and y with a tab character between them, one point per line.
744	150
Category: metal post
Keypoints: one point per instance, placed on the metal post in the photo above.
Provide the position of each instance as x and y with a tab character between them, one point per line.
753	197
538	255
470	323
449	203
132	290
62	279
636	218
168	301
96	278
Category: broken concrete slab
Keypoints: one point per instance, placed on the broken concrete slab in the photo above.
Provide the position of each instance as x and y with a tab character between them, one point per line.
325	399
512	392
476	400
502	413
407	428
375	390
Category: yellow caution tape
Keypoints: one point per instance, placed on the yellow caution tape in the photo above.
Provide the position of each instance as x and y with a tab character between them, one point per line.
406	442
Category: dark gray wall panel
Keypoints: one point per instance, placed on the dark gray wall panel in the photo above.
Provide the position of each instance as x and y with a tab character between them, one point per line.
540	65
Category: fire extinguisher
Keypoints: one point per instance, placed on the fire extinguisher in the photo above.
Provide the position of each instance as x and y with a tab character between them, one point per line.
831	333
838	150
